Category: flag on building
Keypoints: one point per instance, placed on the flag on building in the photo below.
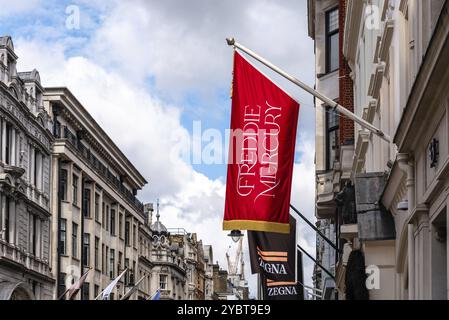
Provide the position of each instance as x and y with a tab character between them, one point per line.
273	256
261	153
132	290
157	295
73	290
107	292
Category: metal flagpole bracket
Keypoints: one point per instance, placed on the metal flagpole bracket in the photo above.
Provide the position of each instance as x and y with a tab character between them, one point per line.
329	102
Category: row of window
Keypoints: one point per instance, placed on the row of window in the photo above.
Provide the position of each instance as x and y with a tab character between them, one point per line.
11	146
109	215
9	228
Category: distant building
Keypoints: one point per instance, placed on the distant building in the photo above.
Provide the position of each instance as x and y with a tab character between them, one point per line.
25	190
145	265
169	267
209	272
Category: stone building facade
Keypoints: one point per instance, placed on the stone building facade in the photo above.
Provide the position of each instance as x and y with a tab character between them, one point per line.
25	195
96	215
393	211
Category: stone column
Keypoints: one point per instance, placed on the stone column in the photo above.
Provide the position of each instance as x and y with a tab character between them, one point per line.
13	147
38	232
38	167
12	221
3	140
2	216
406	165
423	277
411	262
31	157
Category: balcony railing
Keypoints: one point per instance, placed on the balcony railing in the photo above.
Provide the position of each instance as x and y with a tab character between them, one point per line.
100	168
20	256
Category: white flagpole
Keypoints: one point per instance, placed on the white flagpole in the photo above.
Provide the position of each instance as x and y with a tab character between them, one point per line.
133	289
152	296
342	110
113	282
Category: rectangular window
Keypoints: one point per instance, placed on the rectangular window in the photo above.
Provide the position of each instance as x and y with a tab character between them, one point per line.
127	273
107	218
57	129
120	226
7	218
134	236
86	203
113	222
112	264
33	234
63	182
332	41
163	281
61	283
75	189
120	259
63	236
86	249
74	240
103	265
85	290
96	290
97	207
106	261
97	247
333	137
127	233
103	215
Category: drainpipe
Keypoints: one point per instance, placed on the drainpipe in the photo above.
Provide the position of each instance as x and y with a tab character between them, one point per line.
406	165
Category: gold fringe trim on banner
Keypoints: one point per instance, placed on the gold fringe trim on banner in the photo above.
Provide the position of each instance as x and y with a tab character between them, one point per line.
263	226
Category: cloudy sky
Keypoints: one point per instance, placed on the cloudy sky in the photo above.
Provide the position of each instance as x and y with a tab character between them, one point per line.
151	71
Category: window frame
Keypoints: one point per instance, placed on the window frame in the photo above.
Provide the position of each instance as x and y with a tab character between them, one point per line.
74	240
75	188
62	248
64	176
96	253
86	249
329	131
328	37
86	203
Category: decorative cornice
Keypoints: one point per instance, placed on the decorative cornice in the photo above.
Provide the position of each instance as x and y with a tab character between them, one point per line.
385	43
376	81
354	17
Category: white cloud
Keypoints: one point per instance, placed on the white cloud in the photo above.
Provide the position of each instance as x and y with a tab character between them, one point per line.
182	43
17	6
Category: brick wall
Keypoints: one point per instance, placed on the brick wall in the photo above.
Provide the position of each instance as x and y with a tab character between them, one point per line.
345	85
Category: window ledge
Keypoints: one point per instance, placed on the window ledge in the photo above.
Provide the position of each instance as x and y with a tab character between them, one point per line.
324	76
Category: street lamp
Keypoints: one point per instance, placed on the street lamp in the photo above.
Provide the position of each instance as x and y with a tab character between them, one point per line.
235	235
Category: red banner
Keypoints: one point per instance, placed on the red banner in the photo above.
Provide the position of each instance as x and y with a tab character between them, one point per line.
261	152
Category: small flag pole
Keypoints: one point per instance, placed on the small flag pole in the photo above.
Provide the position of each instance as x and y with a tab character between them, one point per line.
342	110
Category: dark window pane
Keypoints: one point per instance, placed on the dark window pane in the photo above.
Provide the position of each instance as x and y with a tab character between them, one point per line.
85	290
332	20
